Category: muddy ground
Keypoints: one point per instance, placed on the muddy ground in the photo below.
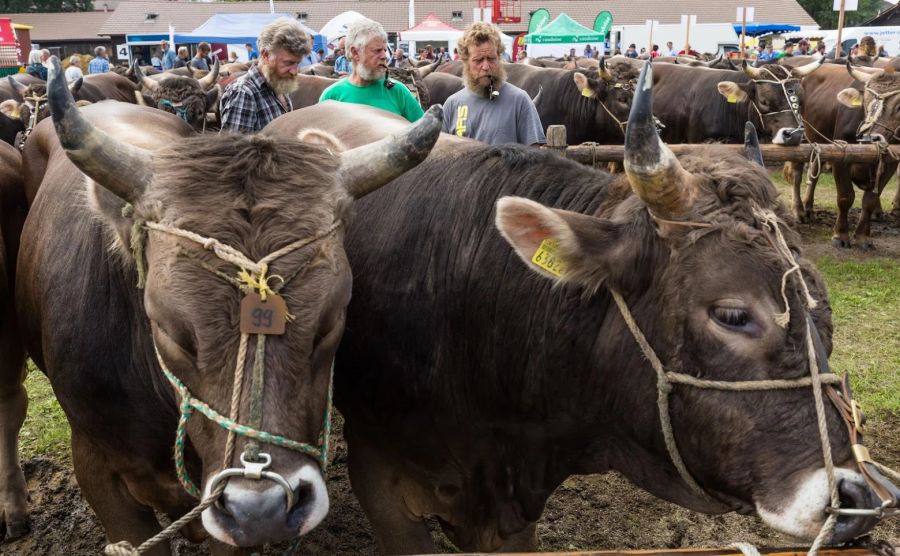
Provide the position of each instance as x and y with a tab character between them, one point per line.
590	512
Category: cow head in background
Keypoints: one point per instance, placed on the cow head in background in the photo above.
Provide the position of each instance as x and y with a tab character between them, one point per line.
880	99
702	253
188	98
775	96
609	92
256	194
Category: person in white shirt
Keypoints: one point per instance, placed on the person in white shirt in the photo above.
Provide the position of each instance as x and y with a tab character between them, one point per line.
670	50
73	72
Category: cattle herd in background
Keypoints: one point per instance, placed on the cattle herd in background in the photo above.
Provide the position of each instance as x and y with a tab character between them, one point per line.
436	423
698	101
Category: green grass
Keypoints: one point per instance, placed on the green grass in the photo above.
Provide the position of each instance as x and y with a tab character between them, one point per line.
865	300
46	431
825	197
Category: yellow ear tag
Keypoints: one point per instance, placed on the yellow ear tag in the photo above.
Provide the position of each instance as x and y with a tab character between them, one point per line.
547	258
856	102
732	98
587	92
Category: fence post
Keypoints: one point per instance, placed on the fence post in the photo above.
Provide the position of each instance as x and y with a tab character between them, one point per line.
556	138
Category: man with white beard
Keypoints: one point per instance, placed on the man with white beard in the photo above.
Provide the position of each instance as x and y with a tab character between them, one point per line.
366	44
489	109
261	95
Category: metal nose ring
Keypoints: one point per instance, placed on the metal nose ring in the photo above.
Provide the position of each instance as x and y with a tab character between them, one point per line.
255	471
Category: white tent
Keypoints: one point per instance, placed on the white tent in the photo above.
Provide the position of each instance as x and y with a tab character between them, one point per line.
431	29
337	27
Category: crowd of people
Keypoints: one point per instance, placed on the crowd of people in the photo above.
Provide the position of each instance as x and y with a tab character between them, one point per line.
487	109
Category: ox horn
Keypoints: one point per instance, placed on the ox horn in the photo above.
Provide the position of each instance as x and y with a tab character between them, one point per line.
807	69
752	150
148	83
366	168
860	75
123	169
20	88
654	173
751	72
208	80
537	97
604	72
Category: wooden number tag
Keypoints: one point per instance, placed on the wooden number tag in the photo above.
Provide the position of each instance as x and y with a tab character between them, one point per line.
263	317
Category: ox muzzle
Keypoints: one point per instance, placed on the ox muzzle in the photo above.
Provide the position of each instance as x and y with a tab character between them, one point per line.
789	136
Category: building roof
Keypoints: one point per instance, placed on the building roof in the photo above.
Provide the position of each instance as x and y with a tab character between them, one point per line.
886	16
69	26
137	17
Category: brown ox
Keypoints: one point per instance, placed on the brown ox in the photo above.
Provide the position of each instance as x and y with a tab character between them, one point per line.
880	100
189	98
472	388
827	119
13	401
103	342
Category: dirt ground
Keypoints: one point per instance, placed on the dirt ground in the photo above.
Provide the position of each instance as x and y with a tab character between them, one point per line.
590	512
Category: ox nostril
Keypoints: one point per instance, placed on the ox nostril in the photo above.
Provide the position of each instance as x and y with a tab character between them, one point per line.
303	495
856	495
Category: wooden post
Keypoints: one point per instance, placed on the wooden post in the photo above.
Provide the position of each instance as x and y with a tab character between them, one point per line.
650	40
837	45
556	138
687	37
743	30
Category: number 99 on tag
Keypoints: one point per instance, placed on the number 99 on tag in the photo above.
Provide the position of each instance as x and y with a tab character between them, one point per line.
263	317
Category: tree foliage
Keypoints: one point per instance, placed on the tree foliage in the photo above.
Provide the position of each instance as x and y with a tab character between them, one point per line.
822	11
26	6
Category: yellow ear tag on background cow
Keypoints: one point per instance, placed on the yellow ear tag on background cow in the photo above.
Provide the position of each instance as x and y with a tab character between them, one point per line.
547	257
732	98
856	101
587	92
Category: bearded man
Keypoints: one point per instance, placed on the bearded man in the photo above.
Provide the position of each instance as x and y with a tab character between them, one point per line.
489	109
368	83
261	95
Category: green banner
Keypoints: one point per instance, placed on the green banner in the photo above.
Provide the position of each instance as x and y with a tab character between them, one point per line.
603	22
539	18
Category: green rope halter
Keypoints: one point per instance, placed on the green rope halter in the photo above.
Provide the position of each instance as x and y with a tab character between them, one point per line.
189	403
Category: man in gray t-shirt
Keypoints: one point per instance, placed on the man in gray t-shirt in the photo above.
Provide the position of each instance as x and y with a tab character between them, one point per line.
489	109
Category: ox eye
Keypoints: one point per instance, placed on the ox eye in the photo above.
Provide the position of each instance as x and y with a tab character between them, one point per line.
731	317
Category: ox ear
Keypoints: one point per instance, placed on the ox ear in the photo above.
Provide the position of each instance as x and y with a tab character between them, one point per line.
732	92
586	86
850	97
563	245
10	108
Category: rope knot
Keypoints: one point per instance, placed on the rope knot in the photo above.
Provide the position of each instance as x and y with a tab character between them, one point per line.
260	284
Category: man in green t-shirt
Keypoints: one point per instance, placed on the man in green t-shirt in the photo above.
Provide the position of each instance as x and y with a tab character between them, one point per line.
368	83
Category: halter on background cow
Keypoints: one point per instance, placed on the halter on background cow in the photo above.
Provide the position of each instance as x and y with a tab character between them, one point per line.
471	388
690	103
94	333
188	98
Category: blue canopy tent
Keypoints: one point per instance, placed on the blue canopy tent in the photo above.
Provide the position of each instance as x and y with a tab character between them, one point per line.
240	28
757	29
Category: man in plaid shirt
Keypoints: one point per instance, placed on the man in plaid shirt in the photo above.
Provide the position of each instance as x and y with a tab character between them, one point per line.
100	64
261	95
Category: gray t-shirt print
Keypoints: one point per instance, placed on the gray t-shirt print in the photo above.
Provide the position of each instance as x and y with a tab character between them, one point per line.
511	118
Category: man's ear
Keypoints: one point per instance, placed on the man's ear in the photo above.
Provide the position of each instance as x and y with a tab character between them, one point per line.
569	246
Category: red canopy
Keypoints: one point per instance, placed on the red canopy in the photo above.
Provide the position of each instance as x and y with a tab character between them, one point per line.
431	23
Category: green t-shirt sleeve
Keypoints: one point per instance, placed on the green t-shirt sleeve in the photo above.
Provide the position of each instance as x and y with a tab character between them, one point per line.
411	109
329	93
